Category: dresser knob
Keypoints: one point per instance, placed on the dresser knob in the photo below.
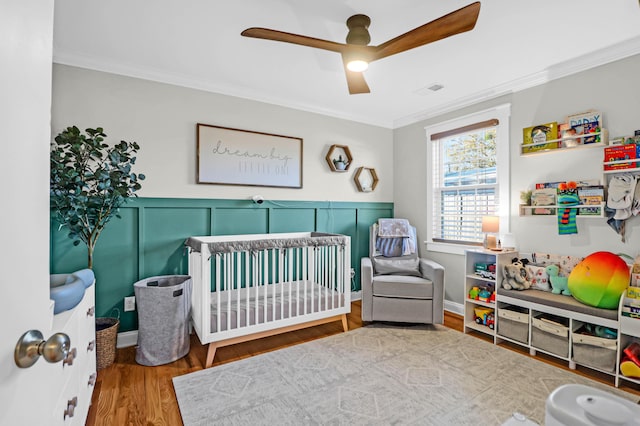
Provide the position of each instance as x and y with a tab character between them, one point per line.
70	357
71	407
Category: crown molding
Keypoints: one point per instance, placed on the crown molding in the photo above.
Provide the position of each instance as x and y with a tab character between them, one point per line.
582	63
594	59
114	67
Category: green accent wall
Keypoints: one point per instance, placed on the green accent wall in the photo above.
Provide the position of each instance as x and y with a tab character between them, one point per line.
147	240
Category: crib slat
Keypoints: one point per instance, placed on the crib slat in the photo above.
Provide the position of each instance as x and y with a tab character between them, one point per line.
218	294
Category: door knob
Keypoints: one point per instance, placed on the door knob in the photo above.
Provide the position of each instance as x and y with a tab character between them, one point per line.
32	345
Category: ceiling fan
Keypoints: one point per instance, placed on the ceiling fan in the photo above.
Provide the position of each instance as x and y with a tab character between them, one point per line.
356	54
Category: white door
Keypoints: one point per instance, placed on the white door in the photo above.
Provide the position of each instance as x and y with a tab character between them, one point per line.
26	34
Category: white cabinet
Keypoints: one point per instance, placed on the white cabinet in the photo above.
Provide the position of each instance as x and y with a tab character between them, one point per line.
73	379
479	311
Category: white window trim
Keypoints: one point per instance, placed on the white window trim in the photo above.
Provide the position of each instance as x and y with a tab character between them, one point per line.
503	114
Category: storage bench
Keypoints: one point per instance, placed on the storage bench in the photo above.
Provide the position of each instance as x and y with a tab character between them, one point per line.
556	324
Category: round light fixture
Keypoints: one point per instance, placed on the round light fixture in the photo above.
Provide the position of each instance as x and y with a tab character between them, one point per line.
357	65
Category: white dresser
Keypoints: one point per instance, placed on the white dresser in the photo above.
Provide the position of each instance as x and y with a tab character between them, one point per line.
75	377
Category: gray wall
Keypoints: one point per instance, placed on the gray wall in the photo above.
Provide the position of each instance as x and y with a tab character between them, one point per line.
162	119
612	89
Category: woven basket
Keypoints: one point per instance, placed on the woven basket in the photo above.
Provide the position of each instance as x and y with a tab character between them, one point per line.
106	336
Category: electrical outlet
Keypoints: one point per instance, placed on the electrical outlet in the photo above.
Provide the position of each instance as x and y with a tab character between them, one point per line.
129	303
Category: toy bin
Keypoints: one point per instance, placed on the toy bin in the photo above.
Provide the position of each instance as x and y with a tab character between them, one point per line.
593	351
513	323
550	334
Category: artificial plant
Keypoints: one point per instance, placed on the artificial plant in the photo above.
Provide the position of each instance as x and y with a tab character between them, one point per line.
89	182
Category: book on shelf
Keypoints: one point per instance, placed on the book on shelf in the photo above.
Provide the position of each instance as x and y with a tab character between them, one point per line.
539	134
620	152
631	309
591	196
587	123
633	293
630	315
543	197
568	136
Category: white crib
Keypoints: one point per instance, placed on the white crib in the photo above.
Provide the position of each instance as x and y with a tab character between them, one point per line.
251	286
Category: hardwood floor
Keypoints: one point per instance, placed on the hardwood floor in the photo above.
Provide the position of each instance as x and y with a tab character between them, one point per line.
127	393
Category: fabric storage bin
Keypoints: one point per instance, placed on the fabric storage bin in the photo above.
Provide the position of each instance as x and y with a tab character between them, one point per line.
513	323
551	334
596	352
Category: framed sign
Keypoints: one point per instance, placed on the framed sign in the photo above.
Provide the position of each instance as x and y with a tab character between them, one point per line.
241	157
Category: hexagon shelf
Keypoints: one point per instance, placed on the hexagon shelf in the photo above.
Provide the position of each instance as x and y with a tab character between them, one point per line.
366	179
335	159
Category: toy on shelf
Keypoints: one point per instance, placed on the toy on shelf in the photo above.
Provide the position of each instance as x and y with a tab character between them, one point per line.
630	363
485	270
484	295
473	293
484	316
515	275
599	280
558	283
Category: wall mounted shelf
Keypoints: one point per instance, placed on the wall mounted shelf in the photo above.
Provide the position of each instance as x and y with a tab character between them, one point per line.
336	152
366	179
562	142
528	210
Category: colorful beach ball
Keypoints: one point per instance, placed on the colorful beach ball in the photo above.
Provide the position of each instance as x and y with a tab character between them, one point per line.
599	280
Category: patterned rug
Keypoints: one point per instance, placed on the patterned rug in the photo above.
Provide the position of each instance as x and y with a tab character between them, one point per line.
376	375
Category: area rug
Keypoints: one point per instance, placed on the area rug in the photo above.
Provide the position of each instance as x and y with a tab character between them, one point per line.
376	375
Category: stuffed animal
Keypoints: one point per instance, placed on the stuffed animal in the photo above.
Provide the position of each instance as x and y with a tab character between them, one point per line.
558	284
515	275
600	280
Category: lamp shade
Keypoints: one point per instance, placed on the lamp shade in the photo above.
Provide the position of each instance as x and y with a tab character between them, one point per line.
490	224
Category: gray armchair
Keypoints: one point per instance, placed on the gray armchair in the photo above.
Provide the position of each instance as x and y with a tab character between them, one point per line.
401	289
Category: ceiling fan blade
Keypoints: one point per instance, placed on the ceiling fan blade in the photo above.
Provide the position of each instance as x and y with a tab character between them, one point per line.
355	80
275	35
456	22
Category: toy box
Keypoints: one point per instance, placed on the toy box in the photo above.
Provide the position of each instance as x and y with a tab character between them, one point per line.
620	152
550	334
513	323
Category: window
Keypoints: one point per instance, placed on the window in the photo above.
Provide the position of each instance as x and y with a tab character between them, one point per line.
469	163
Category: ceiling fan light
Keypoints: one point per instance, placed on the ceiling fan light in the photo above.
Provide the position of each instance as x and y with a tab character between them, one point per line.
357	65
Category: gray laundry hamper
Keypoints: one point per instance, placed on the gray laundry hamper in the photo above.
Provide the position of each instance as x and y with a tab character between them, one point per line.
164	307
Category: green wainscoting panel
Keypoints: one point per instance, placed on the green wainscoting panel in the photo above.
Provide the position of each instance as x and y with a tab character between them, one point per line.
116	264
292	220
148	238
235	221
163	234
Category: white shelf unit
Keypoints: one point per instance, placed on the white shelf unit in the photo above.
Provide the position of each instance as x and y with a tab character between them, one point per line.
499	258
629	333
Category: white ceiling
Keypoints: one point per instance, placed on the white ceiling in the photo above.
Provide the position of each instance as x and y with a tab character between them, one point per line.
197	43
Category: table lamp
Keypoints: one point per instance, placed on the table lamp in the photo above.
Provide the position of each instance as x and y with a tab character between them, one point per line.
490	227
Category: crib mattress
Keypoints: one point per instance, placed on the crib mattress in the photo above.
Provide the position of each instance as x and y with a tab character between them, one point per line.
279	303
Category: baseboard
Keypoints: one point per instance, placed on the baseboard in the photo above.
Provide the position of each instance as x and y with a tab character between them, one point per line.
456	308
356	295
127	338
